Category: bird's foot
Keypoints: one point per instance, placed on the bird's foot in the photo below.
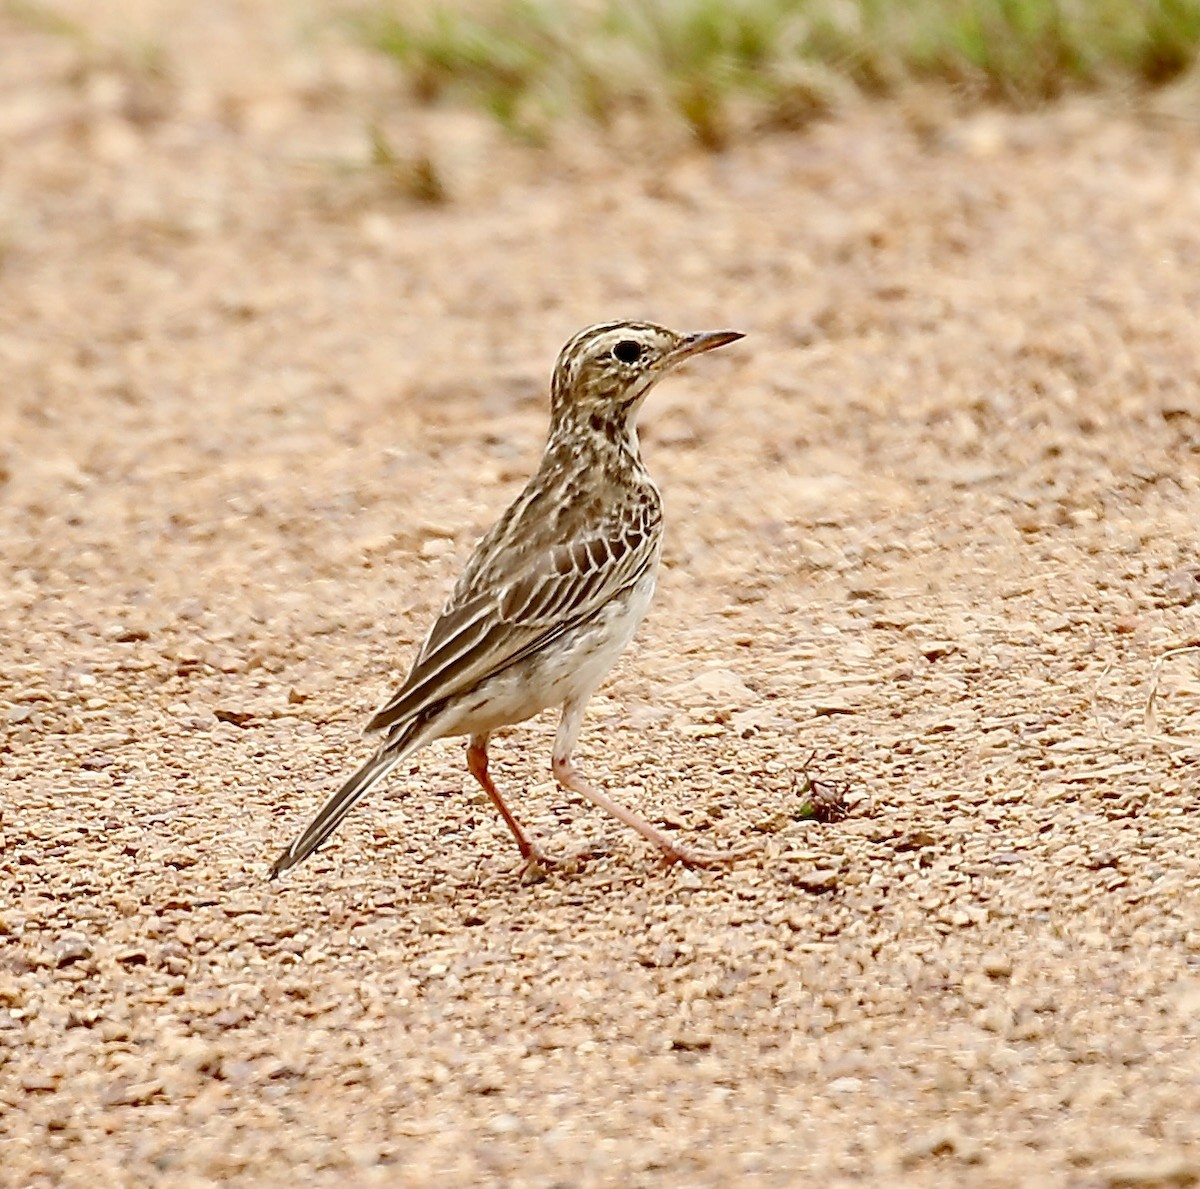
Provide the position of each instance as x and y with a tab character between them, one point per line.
673	853
539	863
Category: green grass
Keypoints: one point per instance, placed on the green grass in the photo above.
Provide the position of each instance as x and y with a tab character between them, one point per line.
40	17
530	62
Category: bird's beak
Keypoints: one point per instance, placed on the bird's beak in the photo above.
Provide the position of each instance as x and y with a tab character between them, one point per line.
695	344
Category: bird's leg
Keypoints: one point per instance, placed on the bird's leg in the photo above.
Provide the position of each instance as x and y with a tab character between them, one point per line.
477	764
570	778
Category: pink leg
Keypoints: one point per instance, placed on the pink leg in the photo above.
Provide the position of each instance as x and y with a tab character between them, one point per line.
569	777
477	764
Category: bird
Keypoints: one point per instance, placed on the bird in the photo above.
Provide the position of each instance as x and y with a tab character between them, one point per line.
551	596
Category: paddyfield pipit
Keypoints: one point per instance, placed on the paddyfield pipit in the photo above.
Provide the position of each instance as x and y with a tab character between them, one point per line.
553	593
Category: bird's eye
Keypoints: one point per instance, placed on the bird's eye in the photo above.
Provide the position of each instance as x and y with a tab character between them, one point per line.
627	351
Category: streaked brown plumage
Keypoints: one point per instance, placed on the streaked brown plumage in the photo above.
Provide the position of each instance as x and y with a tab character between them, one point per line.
552	594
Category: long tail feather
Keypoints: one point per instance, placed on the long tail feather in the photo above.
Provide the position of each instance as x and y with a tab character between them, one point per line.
330	815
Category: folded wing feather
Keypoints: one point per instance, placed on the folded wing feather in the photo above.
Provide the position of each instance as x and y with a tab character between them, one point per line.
483	631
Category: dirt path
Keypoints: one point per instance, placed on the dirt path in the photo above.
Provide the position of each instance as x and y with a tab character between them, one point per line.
935	520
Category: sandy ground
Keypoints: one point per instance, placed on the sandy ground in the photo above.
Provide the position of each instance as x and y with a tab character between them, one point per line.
932	523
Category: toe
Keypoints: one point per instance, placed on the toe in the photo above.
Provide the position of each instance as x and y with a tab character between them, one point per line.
705	858
539	863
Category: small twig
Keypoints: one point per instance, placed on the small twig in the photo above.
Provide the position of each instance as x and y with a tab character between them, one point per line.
1149	718
825	800
1096	702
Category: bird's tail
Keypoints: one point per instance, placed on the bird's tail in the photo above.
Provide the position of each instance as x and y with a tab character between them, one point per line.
330	815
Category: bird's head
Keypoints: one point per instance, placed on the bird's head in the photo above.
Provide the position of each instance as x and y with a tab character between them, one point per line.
604	373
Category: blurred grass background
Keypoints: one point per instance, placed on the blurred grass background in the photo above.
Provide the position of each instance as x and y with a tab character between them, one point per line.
720	64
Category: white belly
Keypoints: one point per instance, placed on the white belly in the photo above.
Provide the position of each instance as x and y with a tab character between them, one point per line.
567	670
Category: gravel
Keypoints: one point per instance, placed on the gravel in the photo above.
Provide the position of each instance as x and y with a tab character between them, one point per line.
930	528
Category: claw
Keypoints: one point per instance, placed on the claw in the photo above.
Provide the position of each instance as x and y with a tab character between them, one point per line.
539	863
673	853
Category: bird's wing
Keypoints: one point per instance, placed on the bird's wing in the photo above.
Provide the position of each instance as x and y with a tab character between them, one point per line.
497	620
